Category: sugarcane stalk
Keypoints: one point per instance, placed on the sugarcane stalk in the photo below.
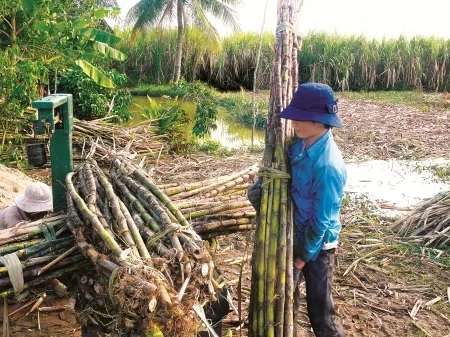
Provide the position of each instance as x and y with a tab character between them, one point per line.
179	188
210	226
135	232
258	317
34	271
289	312
88	215
199	208
271	260
30	231
19	246
236	214
28	251
91	197
75	225
114	203
281	250
226	231
103	207
153	188
18	239
147	234
220	189
217	209
190	246
59	258
237	195
88	188
137	206
269	218
138	189
53	248
235	191
188	190
47	278
12	232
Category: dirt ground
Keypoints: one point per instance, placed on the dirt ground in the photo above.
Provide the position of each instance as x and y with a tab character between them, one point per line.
12	183
379	279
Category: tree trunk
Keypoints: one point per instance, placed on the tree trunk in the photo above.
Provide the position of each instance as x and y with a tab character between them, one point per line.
177	72
13	34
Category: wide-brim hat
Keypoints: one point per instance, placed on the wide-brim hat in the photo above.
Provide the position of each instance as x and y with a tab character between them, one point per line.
37	198
313	102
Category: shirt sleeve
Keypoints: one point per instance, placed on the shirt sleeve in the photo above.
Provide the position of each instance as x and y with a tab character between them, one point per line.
327	189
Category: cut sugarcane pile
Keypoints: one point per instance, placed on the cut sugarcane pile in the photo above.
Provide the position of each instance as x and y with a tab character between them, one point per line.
152	266
142	138
36	253
428	223
216	206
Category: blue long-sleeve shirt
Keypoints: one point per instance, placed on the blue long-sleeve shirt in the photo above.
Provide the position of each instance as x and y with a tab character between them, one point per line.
318	180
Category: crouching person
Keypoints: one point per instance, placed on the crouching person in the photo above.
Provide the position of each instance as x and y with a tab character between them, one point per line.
33	205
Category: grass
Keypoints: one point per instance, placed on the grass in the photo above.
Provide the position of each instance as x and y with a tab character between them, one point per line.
158	90
441	171
414	99
216	149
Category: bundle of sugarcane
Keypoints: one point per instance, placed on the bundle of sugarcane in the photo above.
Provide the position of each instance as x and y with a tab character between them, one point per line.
36	253
217	206
271	301
142	138
154	265
428	223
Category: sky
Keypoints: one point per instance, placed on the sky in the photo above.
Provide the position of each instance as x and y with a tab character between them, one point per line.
372	18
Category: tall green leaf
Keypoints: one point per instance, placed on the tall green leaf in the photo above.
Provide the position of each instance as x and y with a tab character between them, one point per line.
95	74
106	50
99	36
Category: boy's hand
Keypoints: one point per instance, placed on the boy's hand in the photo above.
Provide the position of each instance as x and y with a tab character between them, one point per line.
254	193
299	264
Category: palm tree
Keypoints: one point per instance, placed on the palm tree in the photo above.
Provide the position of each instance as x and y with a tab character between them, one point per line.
156	12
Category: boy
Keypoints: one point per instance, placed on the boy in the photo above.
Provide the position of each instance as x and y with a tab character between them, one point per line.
318	180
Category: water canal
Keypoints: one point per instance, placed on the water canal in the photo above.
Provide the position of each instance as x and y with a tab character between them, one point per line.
228	134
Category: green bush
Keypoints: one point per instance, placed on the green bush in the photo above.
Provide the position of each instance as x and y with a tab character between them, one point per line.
206	112
239	110
172	121
92	101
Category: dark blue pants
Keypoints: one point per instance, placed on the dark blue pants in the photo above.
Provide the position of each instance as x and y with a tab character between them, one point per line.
318	276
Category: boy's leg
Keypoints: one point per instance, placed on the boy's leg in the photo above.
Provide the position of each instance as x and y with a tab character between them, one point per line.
319	276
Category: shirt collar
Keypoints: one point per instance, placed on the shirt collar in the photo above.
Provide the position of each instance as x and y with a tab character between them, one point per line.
317	148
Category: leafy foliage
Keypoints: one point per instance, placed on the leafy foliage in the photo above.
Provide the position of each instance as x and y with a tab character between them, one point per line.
239	110
17	87
172	120
206	111
92	101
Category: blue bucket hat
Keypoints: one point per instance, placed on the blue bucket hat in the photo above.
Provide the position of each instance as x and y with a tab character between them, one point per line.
313	102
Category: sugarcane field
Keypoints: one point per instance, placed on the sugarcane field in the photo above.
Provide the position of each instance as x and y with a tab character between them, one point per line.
224	168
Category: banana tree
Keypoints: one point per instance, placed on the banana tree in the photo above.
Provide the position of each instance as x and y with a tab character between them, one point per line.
95	43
